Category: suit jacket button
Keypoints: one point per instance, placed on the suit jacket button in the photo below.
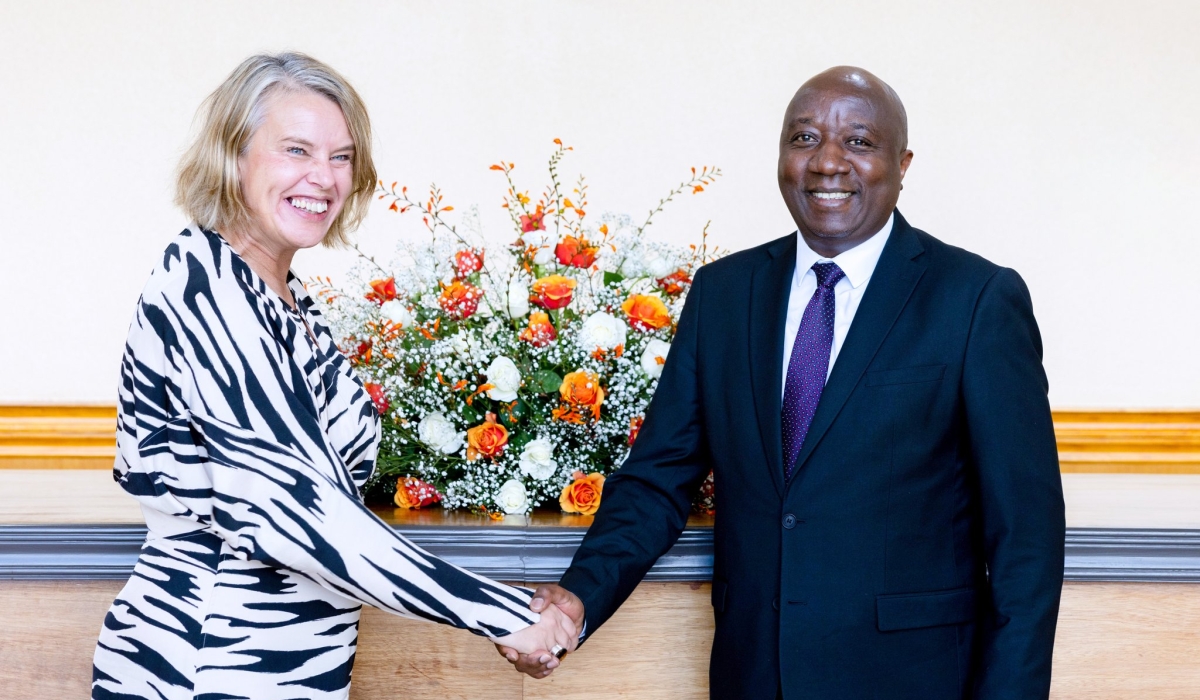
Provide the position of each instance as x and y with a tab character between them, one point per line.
789	521
775	604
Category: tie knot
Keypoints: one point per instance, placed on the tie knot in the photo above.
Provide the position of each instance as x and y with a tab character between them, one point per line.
828	274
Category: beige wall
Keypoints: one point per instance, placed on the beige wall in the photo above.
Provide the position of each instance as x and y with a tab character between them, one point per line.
1058	138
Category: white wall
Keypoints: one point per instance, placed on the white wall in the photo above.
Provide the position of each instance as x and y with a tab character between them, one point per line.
1055	137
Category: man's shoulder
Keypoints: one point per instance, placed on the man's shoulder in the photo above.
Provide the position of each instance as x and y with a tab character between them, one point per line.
953	262
738	265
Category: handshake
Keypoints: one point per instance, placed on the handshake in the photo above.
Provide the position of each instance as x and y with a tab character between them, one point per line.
537	649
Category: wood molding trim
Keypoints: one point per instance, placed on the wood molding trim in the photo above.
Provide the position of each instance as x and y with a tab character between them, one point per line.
1138	442
1143	442
57	437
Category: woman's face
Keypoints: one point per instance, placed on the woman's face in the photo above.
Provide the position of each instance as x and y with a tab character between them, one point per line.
296	171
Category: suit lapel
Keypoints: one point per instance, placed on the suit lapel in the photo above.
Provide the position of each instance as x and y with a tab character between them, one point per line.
769	292
895	276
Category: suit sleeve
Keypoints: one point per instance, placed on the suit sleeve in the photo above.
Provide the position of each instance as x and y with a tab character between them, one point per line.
1012	443
272	500
646	503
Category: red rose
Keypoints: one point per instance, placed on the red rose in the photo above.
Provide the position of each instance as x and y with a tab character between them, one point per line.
460	300
540	332
412	493
575	252
382	290
533	222
635	427
466	262
377	397
675	283
553	292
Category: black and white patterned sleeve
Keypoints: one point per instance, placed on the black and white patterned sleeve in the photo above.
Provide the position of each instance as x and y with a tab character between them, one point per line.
265	481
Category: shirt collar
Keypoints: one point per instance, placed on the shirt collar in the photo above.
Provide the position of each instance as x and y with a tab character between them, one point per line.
858	263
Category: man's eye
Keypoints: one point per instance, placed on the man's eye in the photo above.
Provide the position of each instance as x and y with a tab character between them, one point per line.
858	142
807	138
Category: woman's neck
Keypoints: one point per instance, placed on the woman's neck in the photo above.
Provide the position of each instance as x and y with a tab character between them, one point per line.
270	264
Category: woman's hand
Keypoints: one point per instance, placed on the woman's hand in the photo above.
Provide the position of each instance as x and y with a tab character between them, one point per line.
553	629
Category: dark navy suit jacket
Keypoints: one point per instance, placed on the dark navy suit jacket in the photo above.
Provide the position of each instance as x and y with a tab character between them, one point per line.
917	551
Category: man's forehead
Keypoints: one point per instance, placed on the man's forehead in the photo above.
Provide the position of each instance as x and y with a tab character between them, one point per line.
811	107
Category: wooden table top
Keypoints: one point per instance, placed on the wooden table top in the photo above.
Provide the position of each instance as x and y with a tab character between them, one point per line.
83	496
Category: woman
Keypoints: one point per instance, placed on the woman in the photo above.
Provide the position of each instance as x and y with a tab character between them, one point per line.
246	436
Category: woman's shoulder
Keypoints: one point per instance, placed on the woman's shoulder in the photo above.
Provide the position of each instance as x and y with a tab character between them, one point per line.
191	261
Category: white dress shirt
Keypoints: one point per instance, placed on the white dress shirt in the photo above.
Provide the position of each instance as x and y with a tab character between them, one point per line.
858	263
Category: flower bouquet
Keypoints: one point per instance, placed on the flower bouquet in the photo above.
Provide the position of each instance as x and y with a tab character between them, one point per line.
510	376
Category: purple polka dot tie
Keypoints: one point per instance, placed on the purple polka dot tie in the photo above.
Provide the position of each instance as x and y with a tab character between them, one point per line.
809	364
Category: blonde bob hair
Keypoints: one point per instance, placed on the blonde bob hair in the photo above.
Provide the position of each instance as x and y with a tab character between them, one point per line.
208	188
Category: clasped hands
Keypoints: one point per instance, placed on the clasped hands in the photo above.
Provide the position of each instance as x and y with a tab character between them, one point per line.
562	618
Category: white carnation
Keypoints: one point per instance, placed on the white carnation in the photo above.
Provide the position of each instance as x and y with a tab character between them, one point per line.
505	379
659	266
436	431
518	298
543	256
397	312
512	497
603	331
537	459
655	351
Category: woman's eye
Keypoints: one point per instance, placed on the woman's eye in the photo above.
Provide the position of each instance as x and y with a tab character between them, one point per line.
343	158
296	150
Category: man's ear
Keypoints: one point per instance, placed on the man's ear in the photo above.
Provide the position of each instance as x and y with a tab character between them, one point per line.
905	161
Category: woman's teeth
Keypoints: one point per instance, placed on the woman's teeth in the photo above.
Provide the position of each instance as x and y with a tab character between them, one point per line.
831	195
310	205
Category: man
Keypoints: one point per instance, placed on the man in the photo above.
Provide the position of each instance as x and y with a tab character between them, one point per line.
873	405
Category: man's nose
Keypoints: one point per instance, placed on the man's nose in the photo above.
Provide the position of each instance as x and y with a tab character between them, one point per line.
830	159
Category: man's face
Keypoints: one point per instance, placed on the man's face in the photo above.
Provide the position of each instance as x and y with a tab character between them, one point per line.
841	161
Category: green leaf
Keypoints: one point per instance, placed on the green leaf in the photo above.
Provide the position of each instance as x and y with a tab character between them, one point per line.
469	414
613	278
546	381
511	413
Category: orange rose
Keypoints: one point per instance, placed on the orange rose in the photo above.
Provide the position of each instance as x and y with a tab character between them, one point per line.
466	262
575	252
646	312
459	300
487	439
540	331
583	494
675	282
412	493
553	292
382	290
581	389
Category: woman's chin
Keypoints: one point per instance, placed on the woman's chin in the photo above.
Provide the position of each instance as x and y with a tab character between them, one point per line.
306	235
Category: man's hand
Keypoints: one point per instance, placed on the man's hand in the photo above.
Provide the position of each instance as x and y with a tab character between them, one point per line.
541	663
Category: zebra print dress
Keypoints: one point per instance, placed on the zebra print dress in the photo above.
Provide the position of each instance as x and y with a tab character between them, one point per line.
246	443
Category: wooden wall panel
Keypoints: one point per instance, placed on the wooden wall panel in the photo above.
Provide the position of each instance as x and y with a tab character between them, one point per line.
1115	642
1128	641
1143	442
48	632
